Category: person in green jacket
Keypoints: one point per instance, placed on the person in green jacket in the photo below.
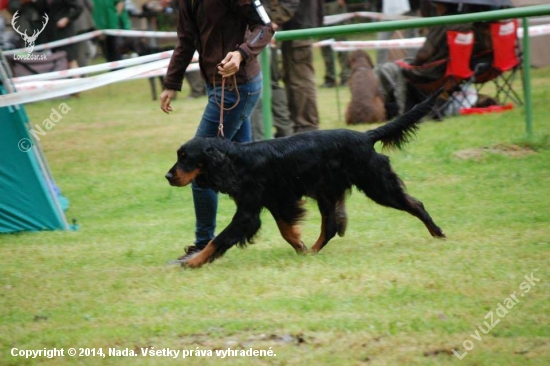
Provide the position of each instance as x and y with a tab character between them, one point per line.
111	14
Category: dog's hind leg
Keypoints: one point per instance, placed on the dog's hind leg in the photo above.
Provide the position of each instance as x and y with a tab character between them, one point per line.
385	188
416	208
329	223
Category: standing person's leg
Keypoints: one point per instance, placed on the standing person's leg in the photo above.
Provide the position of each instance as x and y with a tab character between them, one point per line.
281	115
236	127
329	8
299	79
330	67
279	104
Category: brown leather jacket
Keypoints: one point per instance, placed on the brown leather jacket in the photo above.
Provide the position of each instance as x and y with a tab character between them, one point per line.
215	28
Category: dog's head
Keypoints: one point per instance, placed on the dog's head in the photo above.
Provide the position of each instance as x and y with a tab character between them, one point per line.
360	58
189	165
195	158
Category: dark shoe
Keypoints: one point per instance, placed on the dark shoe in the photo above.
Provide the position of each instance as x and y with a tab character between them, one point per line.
328	84
189	252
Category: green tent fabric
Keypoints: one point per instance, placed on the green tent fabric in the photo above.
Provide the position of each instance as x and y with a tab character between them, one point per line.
28	197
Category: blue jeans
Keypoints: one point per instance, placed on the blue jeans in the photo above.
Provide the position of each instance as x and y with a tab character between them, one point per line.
236	127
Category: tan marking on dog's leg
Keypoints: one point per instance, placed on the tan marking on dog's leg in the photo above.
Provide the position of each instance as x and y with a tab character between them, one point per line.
319	243
202	257
292	235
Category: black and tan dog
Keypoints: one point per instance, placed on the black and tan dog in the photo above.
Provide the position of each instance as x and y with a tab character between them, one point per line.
367	103
276	174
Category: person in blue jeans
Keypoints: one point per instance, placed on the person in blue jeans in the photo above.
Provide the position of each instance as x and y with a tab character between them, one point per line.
228	35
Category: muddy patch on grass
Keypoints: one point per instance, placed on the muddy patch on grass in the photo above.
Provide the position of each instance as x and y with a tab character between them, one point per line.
514	151
243	342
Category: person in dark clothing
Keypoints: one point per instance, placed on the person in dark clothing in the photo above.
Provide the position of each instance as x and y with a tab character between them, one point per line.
193	77
63	14
228	35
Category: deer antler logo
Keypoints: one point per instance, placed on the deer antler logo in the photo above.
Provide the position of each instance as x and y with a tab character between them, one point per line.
29	40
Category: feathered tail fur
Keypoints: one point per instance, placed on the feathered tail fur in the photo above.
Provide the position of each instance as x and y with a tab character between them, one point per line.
397	133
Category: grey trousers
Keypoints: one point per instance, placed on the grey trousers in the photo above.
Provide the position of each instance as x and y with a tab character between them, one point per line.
299	79
392	83
279	106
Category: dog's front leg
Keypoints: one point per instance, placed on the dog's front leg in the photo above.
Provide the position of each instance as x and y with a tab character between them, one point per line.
244	225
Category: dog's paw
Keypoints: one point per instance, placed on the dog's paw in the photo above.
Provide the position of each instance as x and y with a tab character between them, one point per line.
191	261
190	265
301	250
439	234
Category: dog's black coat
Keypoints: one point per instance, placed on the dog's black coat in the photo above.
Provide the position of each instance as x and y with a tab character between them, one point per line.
277	174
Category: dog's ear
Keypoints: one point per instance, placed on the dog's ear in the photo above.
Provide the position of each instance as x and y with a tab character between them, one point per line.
219	169
215	156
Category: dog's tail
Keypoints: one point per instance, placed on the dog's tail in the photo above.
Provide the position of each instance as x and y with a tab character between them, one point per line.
397	133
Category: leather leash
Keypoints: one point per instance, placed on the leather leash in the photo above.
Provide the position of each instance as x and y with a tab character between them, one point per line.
222	108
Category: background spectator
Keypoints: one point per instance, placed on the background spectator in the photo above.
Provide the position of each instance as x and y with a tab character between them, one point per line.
86	50
111	15
63	14
298	71
394	79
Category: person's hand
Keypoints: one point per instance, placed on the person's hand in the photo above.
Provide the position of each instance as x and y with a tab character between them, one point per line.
62	23
230	64
165	98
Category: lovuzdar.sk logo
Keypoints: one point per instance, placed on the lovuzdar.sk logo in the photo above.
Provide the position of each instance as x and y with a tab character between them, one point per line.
29	40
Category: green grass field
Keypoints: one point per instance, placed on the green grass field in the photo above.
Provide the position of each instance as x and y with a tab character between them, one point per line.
385	294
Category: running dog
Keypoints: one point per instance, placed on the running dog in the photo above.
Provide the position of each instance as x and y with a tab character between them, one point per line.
276	174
